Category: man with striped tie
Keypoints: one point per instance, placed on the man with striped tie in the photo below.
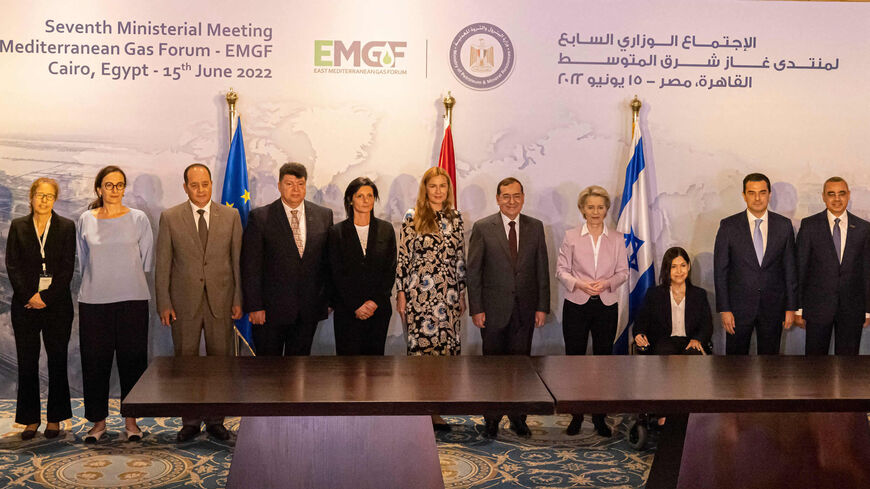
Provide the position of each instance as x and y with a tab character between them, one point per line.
755	273
285	268
833	258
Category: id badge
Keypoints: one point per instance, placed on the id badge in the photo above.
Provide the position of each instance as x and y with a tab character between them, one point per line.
44	281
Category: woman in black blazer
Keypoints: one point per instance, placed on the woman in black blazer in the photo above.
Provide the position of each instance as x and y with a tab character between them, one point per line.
675	317
362	255
40	258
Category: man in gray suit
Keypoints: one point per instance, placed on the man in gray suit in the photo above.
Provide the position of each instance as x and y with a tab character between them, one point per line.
197	279
508	281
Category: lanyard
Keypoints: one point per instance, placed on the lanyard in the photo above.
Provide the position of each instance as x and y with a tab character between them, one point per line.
42	239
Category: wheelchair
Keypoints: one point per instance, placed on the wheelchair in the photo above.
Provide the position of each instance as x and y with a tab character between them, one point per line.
645	427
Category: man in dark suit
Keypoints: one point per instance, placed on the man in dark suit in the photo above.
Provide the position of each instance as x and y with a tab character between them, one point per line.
285	271
508	282
755	273
197	281
833	257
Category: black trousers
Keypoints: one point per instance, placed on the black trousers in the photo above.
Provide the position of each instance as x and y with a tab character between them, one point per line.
360	337
847	337
674	345
276	338
514	338
579	320
55	325
767	336
106	330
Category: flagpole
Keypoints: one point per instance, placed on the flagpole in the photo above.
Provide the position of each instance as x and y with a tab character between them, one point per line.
635	110
449	102
232	97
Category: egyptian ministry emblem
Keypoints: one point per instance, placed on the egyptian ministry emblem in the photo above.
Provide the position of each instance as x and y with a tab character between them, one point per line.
481	56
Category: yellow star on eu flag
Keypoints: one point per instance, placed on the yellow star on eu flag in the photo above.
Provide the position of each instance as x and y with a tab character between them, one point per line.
228	204
246	196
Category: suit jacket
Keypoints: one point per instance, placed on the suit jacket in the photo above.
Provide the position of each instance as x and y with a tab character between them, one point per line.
745	288
184	269
654	319
358	278
828	288
24	261
577	263
494	283
274	277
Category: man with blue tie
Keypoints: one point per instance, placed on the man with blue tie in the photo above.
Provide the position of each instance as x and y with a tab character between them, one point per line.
755	273
833	257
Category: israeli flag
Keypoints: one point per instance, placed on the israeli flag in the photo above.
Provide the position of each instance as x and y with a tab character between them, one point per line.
634	224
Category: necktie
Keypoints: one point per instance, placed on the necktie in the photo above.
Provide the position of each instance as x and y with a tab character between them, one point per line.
837	239
202	228
512	241
297	233
759	241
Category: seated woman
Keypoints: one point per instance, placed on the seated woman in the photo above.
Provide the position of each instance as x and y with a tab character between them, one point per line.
675	317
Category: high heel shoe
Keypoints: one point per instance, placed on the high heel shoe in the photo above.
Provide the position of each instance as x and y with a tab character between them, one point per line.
29	432
133	435
94	436
52	432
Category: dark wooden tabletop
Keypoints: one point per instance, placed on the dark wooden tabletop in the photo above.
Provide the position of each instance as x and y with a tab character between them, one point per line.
328	385
696	384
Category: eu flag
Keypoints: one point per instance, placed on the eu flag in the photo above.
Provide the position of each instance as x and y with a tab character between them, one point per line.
235	194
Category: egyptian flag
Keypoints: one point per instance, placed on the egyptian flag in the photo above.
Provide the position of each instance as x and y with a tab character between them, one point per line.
447	160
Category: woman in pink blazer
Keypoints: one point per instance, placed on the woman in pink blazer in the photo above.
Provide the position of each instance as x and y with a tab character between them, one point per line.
592	266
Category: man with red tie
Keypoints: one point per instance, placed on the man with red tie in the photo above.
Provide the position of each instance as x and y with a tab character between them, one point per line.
508	283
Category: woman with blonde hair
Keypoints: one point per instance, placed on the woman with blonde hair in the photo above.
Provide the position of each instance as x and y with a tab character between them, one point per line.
430	279
40	259
592	266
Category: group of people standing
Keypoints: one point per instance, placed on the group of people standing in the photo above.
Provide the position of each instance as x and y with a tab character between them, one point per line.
292	264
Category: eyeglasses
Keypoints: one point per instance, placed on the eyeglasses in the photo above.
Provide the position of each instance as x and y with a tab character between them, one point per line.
114	186
48	197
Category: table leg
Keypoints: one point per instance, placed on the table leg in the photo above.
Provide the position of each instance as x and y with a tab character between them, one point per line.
665	468
764	450
336	452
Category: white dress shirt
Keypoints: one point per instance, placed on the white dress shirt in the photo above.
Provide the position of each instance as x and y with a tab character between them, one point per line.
362	233
678	316
300	215
195	211
764	220
595	245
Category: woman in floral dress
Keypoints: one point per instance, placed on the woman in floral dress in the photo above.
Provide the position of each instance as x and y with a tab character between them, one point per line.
430	279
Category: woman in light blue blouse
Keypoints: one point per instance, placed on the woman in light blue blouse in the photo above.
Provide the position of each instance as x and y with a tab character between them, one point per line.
115	251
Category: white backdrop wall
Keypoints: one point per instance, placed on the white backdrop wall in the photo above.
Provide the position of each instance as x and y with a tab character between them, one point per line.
801	120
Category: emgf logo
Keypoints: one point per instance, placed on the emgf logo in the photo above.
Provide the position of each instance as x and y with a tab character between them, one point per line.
374	54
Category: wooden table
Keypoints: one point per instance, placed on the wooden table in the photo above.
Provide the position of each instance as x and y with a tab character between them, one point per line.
825	442
337	421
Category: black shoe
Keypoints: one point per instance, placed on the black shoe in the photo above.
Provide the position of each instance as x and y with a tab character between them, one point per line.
218	431
574	426
520	427
186	433
443	427
51	433
603	430
28	434
490	429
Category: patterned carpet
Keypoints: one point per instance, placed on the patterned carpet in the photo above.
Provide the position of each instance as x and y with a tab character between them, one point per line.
550	459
